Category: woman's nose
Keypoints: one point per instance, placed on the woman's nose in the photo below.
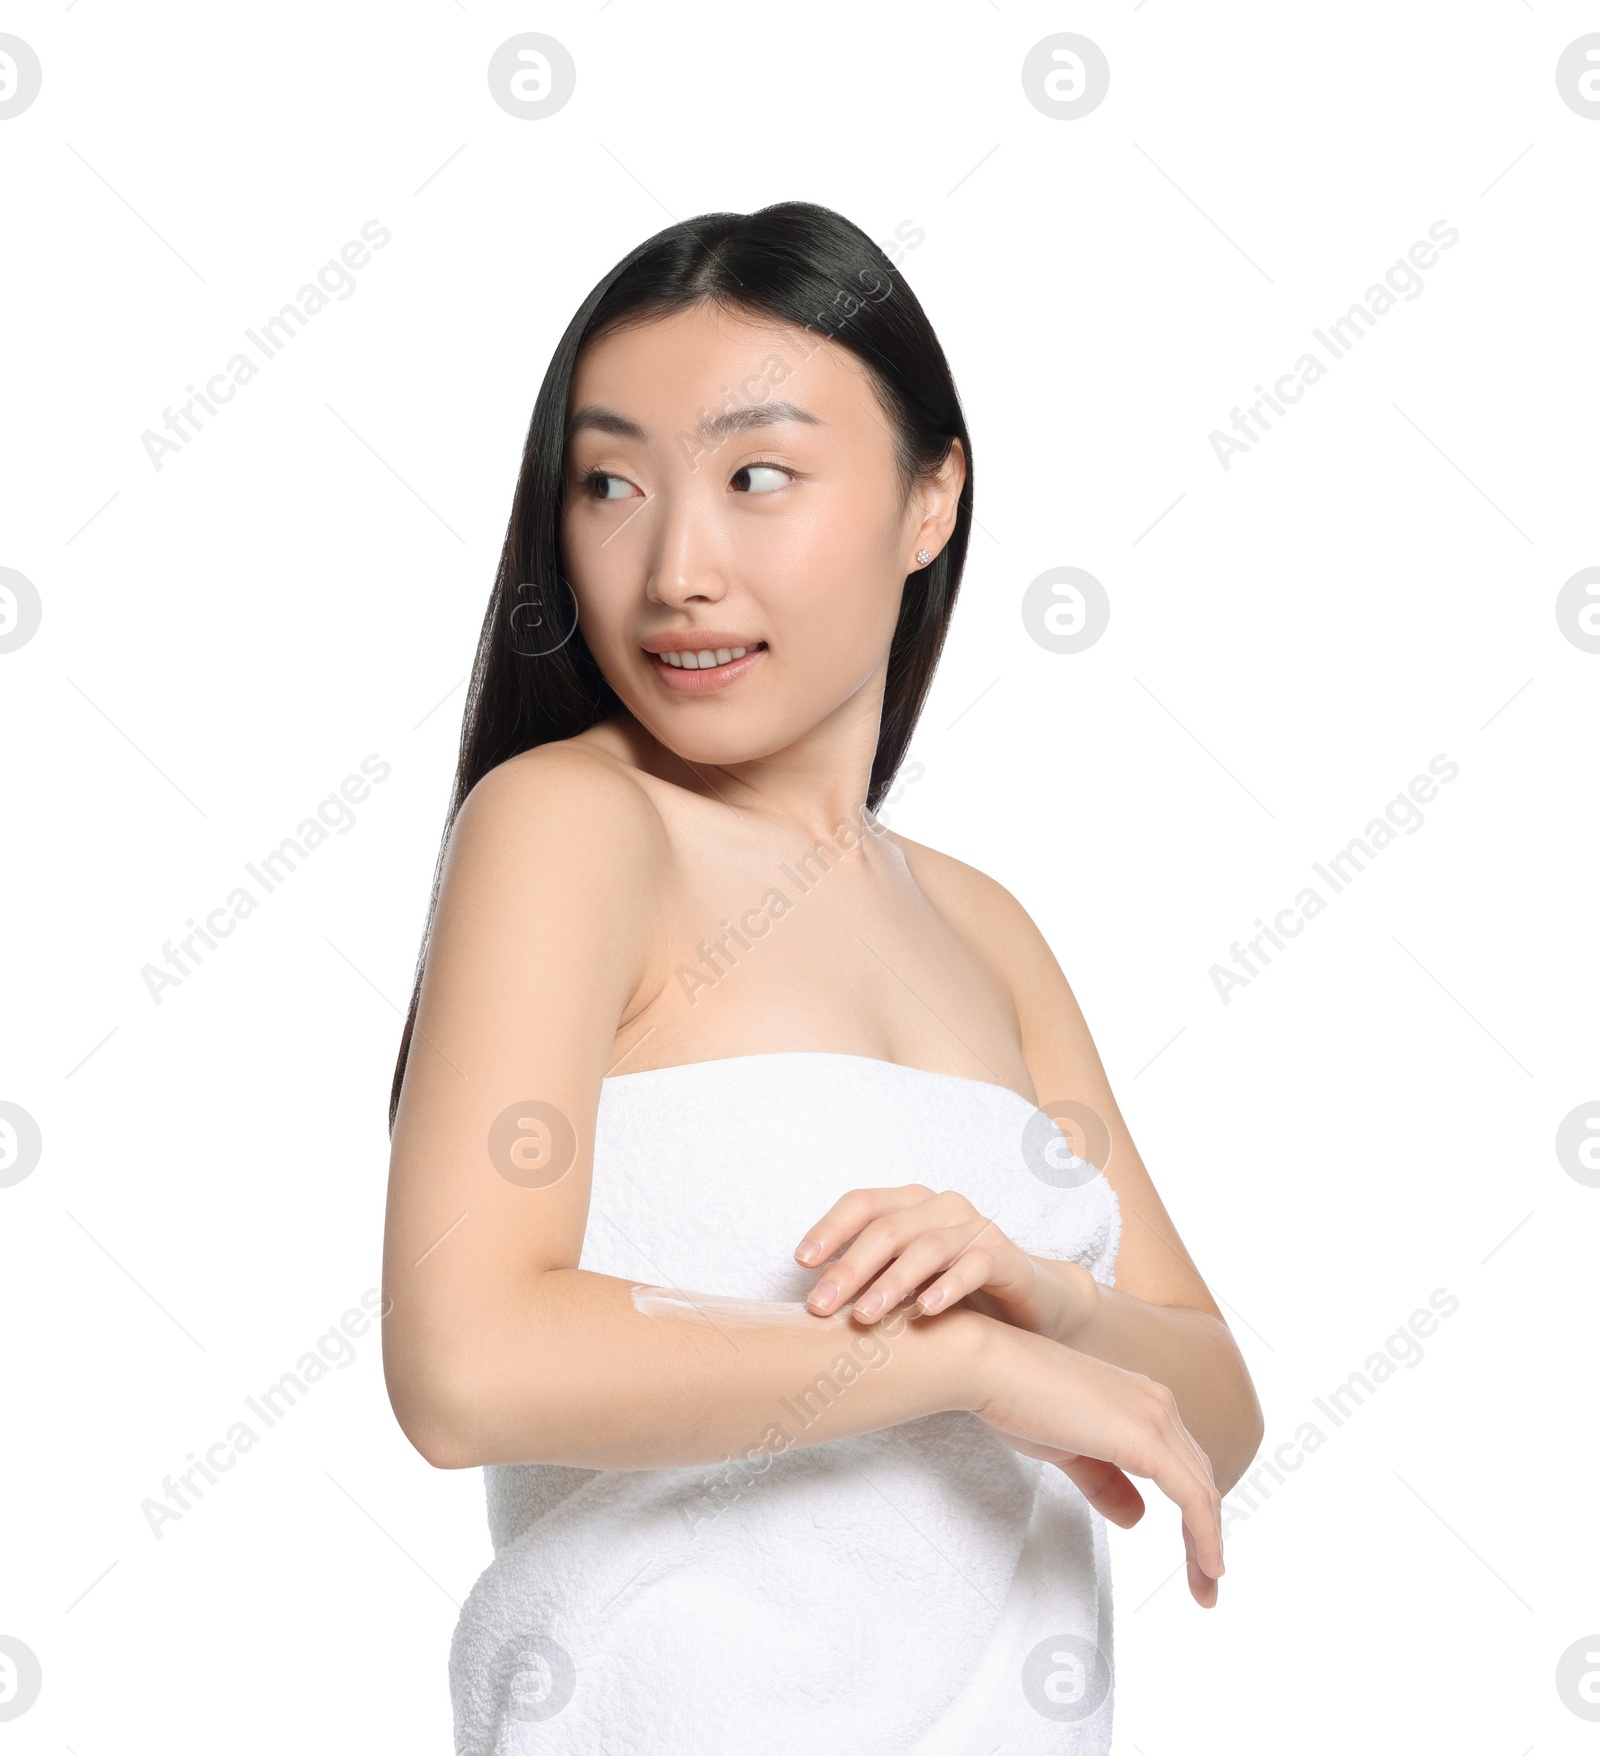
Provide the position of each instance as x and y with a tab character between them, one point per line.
687	555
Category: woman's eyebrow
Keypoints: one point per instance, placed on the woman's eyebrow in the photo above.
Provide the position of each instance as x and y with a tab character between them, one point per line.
593	417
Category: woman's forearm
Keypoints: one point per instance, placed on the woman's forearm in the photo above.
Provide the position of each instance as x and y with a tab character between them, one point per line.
1192	1352
574	1370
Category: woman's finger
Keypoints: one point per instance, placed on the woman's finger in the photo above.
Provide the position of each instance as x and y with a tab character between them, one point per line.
1107	1489
883	1241
971	1271
850	1213
1182	1433
1178	1474
1183	1437
1154	1443
905	1251
1050	1401
1202	1587
942	1254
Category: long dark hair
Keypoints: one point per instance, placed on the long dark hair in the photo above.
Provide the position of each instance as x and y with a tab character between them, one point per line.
534	679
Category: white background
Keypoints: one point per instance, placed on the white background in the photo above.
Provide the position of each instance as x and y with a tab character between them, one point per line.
1291	640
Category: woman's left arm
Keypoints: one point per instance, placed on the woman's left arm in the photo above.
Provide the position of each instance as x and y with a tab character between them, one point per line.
894	1242
1159	1318
1189	1349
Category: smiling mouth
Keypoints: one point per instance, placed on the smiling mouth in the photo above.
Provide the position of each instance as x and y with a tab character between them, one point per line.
710	659
705	671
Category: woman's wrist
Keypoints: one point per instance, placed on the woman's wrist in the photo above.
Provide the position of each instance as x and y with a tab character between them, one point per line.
978	1352
1079	1294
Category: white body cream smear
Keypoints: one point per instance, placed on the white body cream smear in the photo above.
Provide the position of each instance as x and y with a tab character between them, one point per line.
665	1302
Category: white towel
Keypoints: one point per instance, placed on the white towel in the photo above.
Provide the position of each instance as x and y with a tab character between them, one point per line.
923	1589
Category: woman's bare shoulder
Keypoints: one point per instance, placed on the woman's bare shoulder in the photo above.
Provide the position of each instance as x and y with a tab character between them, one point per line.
546	917
571	793
974	903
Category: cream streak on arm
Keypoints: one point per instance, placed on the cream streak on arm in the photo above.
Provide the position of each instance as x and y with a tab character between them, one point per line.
665	1302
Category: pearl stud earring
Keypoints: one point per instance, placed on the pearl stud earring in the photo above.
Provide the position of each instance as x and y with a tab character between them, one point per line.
923	557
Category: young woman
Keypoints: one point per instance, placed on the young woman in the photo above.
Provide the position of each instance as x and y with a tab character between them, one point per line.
731	1228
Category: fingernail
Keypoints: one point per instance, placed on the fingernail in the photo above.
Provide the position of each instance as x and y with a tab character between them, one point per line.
809	1251
823	1296
870	1305
932	1299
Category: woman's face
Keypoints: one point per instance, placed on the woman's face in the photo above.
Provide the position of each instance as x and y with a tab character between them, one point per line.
731	481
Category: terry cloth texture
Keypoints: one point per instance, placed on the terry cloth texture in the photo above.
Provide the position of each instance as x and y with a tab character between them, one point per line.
923	1590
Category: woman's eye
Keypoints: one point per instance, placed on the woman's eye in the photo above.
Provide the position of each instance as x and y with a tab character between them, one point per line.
605	487
760	478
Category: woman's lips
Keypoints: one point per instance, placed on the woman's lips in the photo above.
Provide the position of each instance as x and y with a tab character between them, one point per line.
683	682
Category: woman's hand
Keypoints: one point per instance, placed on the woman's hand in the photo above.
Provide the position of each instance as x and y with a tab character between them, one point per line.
910	1238
1095	1421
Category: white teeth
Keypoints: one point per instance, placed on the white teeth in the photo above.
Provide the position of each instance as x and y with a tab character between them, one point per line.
705	661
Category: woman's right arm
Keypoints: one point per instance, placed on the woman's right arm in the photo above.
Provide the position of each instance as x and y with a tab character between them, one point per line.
498	1348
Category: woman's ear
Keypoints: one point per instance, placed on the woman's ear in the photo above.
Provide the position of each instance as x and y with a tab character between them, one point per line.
940	495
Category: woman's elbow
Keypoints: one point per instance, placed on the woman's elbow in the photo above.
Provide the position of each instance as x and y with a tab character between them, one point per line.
1241	1453
437	1423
